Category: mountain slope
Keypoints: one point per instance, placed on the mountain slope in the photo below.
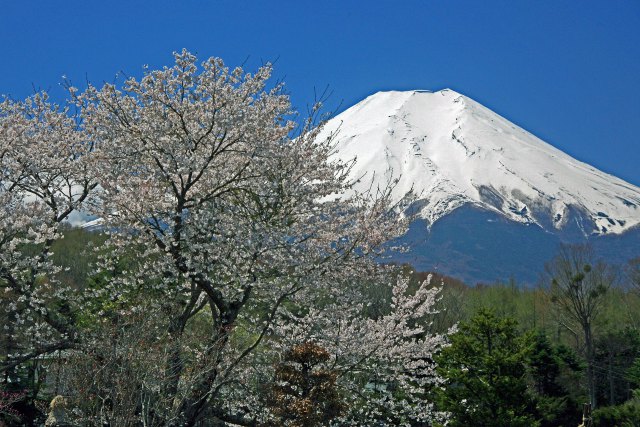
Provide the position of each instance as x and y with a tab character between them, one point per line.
476	245
454	152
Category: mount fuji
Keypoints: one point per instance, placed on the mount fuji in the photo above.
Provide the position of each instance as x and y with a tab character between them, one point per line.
493	200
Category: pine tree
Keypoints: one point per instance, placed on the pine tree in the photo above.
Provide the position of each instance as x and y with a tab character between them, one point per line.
485	373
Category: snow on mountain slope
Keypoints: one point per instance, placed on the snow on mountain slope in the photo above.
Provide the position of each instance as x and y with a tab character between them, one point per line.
454	151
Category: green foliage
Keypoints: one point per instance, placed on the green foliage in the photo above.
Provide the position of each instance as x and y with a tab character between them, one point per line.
529	306
485	372
633	373
616	351
544	365
548	365
625	415
76	253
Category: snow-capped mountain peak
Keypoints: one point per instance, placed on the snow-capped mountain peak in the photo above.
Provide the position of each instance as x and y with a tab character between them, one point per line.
453	151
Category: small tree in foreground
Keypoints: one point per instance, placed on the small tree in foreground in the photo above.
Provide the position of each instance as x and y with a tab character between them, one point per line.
304	393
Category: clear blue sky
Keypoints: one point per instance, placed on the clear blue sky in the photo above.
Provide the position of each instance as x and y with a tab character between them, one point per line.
567	71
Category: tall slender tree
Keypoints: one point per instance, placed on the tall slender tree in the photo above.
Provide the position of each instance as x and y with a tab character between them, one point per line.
577	285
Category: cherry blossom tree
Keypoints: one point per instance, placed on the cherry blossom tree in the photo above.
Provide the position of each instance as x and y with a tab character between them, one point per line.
233	235
234	216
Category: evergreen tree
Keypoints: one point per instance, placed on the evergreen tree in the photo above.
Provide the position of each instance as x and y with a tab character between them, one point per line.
485	374
304	392
547	363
